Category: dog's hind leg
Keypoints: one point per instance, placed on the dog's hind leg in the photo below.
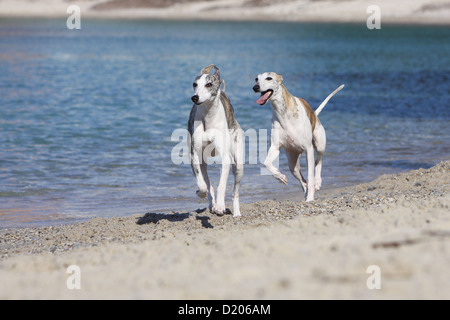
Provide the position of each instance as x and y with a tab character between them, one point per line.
311	179
238	172
238	169
320	143
294	166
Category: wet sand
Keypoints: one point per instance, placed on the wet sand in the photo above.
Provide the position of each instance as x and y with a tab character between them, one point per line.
277	250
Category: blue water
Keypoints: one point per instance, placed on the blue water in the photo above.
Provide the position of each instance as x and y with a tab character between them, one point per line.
86	116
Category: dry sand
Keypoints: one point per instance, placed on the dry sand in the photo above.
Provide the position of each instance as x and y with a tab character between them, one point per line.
407	11
277	250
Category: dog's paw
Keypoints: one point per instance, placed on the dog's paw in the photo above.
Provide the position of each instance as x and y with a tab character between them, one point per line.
318	185
281	177
236	210
304	187
202	193
308	197
219	210
212	204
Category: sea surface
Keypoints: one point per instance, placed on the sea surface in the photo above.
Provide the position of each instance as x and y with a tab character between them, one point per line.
87	116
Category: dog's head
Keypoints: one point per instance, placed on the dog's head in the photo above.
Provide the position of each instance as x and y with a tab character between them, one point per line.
267	84
206	85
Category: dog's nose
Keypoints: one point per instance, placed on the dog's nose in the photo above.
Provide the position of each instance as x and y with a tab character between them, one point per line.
195	99
256	88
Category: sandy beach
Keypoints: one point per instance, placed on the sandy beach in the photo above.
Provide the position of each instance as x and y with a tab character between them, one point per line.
278	250
404	12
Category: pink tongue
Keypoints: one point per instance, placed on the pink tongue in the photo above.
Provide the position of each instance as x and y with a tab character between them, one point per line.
263	98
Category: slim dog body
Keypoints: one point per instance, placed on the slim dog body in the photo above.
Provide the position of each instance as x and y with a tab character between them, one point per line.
295	128
214	130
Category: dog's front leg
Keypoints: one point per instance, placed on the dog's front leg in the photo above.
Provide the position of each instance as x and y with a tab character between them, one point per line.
211	197
222	144
196	164
274	152
220	209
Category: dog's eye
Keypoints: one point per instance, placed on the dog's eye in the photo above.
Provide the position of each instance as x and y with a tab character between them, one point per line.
256	79
208	85
194	85
269	78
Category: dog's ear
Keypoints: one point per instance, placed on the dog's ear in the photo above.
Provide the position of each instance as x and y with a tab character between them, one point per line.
279	78
217	72
207	70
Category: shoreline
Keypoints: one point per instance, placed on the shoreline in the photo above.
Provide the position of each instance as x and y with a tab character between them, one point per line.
277	195
418	12
393	22
277	250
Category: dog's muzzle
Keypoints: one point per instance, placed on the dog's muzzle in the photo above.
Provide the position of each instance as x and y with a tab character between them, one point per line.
265	96
195	99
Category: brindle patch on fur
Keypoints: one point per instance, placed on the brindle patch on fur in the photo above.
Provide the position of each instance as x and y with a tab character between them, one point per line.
229	111
191	120
291	104
310	113
191	130
215	80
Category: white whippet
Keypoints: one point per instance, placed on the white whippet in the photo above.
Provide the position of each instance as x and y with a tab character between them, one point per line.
296	128
214	131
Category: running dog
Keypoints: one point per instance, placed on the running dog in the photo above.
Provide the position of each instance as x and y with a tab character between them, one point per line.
214	131
296	128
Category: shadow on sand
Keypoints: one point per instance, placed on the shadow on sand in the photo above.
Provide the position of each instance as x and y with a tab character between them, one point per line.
153	217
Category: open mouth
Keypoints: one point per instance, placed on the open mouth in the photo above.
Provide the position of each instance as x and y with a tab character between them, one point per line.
265	96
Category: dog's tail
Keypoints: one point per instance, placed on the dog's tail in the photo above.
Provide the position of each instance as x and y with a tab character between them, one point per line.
319	109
